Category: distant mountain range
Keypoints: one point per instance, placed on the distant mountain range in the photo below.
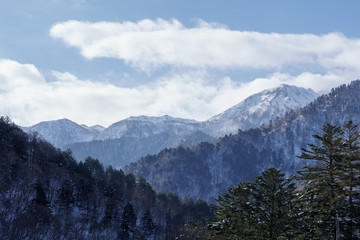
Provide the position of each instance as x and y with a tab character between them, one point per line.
128	140
206	170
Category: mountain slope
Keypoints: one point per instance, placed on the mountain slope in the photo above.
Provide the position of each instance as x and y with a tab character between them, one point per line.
259	109
144	126
63	132
207	169
130	139
46	194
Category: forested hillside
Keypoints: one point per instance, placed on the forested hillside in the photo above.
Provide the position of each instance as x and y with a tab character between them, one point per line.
322	201
207	169
46	194
129	148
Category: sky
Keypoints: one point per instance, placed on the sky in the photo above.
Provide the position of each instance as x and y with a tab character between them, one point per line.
99	62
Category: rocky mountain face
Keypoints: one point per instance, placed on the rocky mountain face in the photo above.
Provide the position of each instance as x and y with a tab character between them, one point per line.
207	169
128	140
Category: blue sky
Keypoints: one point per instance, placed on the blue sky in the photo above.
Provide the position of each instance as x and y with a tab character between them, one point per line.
97	62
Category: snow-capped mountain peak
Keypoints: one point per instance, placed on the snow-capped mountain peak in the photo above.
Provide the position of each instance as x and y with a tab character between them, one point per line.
64	131
130	139
260	108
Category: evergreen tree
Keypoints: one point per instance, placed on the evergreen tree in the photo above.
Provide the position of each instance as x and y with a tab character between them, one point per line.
350	181
275	206
320	197
65	197
147	225
39	209
40	197
128	222
144	193
330	195
235	213
265	209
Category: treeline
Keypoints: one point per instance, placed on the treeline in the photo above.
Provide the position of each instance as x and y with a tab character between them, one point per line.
46	194
321	202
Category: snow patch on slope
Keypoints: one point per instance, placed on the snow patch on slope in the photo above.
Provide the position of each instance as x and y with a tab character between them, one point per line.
259	109
63	132
145	126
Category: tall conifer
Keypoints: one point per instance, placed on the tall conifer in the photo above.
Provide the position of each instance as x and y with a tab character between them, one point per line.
265	209
331	184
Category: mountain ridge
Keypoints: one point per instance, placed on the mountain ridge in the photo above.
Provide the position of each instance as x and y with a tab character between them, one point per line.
64	131
240	157
260	108
130	139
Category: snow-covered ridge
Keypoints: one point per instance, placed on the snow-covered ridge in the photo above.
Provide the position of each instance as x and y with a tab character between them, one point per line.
165	118
259	109
96	129
64	131
145	126
285	98
168	131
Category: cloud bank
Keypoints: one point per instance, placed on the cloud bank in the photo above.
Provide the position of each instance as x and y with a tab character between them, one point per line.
28	98
152	44
187	90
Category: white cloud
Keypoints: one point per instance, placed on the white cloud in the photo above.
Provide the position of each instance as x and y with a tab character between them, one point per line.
20	75
149	45
28	98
